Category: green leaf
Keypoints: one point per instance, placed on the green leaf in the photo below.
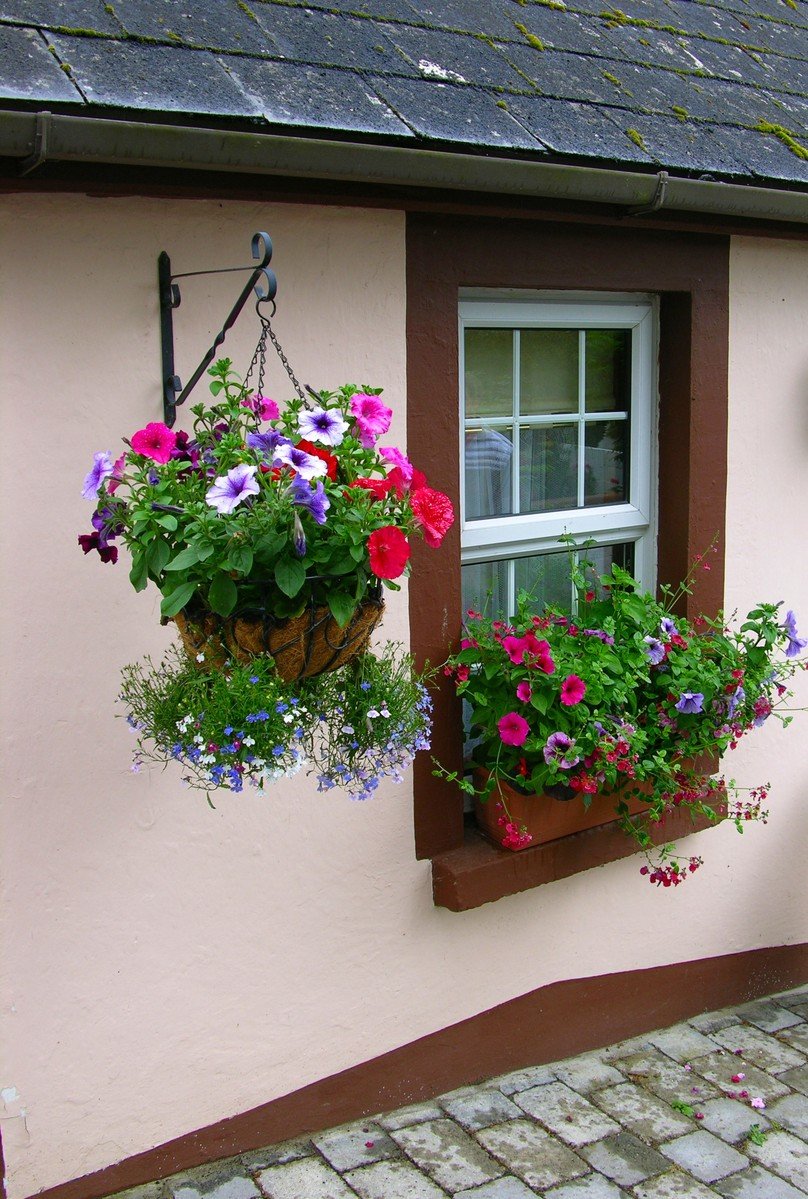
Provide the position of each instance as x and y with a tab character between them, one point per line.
271	546
222	594
167	521
240	559
185	558
139	574
357	551
176	600
290	575
342	607
157	555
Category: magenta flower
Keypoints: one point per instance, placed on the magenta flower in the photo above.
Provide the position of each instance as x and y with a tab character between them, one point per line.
396	458
573	689
513	729
556	748
305	465
321	425
372	418
229	490
156	441
101	469
262	406
524	691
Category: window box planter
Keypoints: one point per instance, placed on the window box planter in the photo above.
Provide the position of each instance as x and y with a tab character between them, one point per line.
545	818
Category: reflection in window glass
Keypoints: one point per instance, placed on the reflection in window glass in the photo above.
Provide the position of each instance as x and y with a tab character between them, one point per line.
489	372
608	370
602	557
488	455
485	587
606	454
548	371
548	468
546	577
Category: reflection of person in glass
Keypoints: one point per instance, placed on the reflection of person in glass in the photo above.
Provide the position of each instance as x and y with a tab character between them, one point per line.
488	465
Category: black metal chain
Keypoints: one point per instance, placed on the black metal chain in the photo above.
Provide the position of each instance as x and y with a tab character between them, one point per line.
260	354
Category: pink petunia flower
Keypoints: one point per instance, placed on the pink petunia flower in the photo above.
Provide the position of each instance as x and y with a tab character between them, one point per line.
263	407
524	691
395	457
758	1103
372	418
513	729
573	689
156	441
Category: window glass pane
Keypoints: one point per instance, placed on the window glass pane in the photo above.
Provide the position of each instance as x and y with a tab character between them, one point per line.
606	459
546	577
488	457
548	371
548	468
602	557
489	372
608	370
485	587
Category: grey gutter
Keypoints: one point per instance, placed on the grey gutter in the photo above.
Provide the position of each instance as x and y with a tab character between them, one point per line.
38	137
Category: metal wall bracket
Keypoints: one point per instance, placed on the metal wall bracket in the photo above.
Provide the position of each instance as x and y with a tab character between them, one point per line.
262	281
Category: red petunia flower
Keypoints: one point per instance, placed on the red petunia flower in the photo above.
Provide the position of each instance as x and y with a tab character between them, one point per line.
434	513
380	488
317	451
156	441
513	729
389	552
573	689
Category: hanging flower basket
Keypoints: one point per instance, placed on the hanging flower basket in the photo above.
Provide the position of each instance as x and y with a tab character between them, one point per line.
302	646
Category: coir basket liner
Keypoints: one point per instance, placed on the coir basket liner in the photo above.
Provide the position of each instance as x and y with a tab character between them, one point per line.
302	646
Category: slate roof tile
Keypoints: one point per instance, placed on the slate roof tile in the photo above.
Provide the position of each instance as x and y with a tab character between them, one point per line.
537	78
212	24
453	113
577	129
79	14
463	58
290	93
29	71
129	75
323	38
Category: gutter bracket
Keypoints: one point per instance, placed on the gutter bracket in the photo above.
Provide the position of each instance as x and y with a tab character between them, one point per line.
657	200
40	151
261	280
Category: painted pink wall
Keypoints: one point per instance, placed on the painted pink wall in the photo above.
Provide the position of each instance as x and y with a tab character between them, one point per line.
166	965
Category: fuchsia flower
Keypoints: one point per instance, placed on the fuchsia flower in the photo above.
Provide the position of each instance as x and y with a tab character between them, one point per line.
262	406
372	418
524	691
156	441
395	457
513	729
573	689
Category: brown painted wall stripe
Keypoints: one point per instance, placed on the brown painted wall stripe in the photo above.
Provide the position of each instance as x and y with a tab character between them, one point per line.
546	1025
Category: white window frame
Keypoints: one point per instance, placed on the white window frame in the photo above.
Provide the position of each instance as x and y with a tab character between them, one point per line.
514	536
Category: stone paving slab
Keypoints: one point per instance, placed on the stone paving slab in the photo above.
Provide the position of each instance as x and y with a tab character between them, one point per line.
757	1183
447	1154
654	1117
566	1113
531	1153
785	1155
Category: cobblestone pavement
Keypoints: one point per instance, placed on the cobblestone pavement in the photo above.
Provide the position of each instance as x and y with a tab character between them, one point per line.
714	1108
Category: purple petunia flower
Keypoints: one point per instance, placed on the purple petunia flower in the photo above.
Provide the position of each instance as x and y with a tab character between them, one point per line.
229	490
690	702
317	502
299	537
735	700
267	443
655	651
555	749
102	468
321	425
306	465
667	627
606	638
795	643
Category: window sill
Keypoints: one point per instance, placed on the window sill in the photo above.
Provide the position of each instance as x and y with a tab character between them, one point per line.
479	873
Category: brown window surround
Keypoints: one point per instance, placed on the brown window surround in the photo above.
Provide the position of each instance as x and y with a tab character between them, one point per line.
690	274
